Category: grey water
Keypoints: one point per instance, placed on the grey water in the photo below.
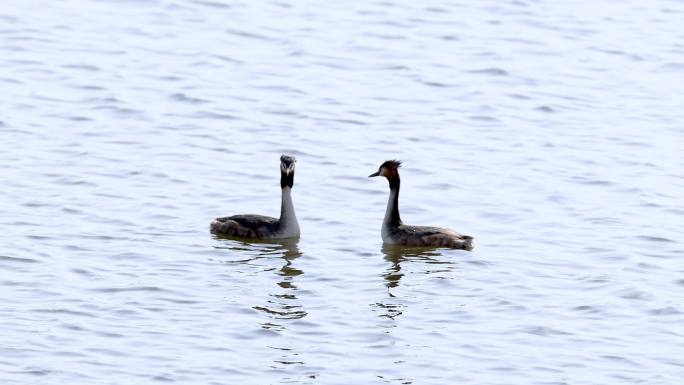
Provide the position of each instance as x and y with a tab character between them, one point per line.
551	131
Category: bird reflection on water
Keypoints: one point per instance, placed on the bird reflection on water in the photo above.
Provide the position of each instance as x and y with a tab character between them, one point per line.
397	255
417	260
282	304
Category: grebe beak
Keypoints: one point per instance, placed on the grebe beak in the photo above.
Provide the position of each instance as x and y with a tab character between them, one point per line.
374	174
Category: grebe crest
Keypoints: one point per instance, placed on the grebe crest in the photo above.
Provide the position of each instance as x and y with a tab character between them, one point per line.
387	168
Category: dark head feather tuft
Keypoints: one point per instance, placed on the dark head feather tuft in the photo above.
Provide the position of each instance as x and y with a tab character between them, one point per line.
391	164
287	159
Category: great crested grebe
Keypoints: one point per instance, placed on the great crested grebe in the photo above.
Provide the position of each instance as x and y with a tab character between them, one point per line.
263	227
395	232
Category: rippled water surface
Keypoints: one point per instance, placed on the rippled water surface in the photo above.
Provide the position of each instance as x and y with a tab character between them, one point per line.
551	131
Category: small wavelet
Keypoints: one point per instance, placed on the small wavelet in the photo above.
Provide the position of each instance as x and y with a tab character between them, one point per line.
490	71
547	109
83	67
652	238
672	67
544	331
635	294
128	289
436	84
212	4
250	35
66	311
35	371
181	97
587	309
215	116
666	311
4	258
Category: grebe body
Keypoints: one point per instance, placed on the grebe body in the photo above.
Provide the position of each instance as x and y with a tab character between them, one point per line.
253	226
395	232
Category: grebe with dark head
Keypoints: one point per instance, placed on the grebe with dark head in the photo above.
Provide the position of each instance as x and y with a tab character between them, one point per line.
263	227
395	232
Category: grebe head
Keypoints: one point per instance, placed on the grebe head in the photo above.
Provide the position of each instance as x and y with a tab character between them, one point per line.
388	169
287	170
287	164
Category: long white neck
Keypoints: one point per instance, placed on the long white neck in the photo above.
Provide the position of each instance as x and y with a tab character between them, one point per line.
289	227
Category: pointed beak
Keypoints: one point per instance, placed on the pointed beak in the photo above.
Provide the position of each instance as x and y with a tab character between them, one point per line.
374	174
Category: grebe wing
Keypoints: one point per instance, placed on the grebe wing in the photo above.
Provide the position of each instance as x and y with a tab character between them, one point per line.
245	226
252	220
431	236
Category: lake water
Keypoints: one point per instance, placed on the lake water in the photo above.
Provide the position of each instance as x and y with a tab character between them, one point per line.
550	131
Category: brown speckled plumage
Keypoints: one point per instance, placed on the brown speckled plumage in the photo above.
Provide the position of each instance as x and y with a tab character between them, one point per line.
406	235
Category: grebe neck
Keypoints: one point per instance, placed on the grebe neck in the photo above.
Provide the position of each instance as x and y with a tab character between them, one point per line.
288	219
392	217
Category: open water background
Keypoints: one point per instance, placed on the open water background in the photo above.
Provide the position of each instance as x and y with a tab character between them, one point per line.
552	131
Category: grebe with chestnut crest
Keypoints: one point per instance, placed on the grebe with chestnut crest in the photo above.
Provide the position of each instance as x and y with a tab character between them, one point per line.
395	232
